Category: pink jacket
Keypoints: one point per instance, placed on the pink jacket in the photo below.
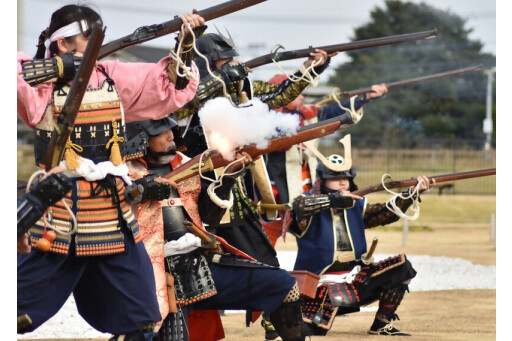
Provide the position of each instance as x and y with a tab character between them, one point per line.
144	89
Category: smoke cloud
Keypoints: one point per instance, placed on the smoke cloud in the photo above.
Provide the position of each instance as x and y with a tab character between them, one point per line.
227	127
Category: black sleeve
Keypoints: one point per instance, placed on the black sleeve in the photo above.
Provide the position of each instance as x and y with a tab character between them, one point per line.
379	214
211	213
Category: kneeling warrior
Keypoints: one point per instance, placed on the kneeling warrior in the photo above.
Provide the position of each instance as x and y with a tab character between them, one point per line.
203	277
329	224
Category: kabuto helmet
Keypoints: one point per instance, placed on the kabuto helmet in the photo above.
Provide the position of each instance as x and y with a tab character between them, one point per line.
324	173
138	133
156	127
214	47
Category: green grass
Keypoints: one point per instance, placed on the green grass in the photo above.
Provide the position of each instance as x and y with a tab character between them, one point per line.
26	162
434	210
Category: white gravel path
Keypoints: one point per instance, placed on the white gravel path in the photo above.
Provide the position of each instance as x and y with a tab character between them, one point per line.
434	273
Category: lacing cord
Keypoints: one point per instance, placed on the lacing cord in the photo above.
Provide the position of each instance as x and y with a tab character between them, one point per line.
180	64
226	204
356	117
413	193
308	74
48	223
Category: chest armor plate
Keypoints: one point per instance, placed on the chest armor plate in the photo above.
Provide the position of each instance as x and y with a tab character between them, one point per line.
99	124
344	247
172	209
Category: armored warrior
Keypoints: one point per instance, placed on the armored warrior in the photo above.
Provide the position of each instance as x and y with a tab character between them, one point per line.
204	277
96	254
330	224
221	75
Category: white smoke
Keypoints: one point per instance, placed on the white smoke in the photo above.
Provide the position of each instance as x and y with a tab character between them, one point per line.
227	127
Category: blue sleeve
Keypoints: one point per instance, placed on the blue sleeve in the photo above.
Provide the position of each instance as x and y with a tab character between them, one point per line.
332	111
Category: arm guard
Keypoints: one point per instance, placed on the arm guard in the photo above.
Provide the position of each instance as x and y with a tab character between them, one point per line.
186	54
44	193
40	71
277	96
51	189
153	190
305	207
30	209
331	111
379	214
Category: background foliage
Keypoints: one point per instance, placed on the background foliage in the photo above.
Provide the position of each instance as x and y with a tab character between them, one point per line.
452	108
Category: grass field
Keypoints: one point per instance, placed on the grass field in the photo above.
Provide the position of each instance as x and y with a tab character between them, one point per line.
372	164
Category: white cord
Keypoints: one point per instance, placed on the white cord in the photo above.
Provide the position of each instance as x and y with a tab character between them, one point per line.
308	74
226	204
187	70
50	225
413	194
343	278
356	117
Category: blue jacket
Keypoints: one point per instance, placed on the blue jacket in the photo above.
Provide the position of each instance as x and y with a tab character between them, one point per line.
317	244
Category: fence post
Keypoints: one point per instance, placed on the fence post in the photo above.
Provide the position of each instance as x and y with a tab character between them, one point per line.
493	229
405	232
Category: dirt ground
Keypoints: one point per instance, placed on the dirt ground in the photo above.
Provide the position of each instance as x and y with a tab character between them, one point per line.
435	315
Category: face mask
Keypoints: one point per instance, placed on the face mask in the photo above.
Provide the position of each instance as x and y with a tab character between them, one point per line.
162	157
163	160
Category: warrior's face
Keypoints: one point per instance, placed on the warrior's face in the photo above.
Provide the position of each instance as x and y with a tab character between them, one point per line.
220	62
76	44
338	184
162	146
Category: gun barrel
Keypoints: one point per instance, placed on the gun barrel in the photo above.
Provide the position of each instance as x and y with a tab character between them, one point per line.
391	85
437	178
356	45
147	33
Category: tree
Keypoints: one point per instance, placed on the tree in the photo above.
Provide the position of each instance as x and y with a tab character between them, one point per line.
451	107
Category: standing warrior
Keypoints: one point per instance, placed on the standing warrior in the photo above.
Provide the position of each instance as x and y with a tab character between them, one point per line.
330	228
96	255
222	75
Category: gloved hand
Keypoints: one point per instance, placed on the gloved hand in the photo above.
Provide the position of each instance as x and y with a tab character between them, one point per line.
70	63
154	190
51	189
